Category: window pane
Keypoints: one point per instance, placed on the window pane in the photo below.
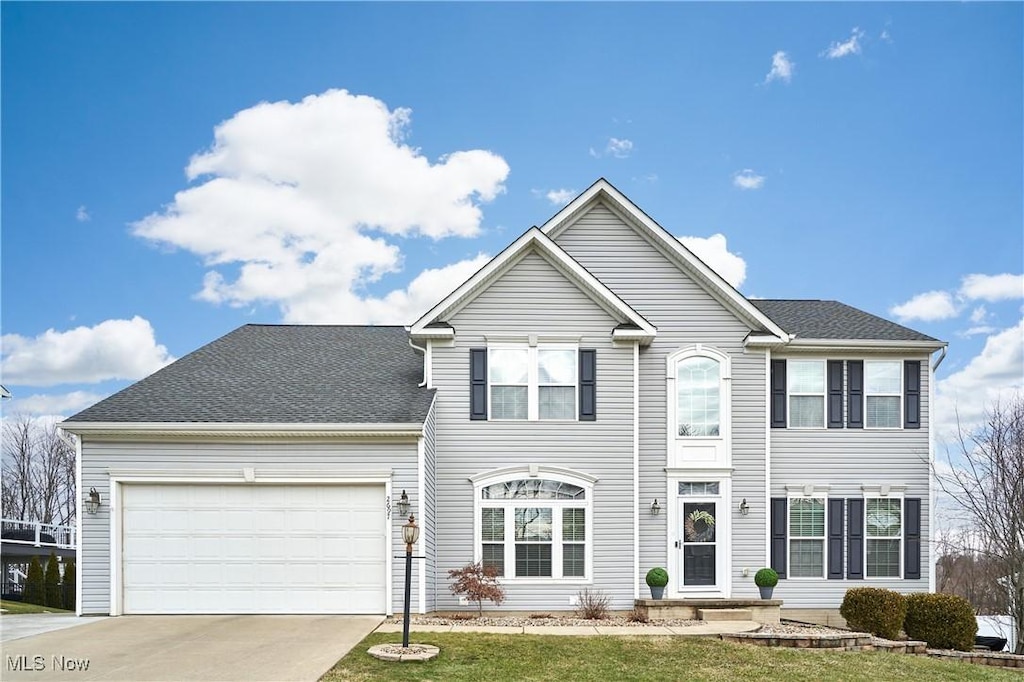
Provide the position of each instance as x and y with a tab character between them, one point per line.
698	522
881	377
508	365
494	555
698	488
807	517
533	560
698	564
574	527
883	517
883	411
532	488
573	563
806	411
508	402
806	558
806	376
556	366
492	525
557	402
533	524
697	397
883	559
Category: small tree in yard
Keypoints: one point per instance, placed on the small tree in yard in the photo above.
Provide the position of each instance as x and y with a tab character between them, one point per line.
35	588
477	582
68	586
52	581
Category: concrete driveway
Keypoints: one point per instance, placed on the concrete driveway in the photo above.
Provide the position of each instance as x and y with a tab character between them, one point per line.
213	648
27	624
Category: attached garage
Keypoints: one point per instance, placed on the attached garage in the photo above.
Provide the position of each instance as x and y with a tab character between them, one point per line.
253	548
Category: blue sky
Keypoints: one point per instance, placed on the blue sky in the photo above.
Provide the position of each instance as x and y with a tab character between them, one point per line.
870	153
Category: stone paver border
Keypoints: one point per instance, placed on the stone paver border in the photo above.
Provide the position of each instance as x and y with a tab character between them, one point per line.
709	630
421	652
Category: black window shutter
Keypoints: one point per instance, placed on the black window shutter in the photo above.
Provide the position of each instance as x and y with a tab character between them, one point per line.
835	538
778	394
912	394
855	537
588	385
779	535
912	538
855	394
478	383
835	394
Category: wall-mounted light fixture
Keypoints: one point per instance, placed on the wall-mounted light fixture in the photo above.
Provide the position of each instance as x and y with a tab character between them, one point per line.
92	501
655	507
403	504
744	507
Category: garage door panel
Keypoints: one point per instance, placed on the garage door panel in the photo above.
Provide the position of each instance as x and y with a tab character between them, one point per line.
253	549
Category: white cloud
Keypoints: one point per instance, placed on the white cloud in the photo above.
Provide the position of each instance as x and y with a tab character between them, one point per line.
560	197
295	201
885	36
929	306
60	404
715	253
782	68
747	179
114	349
992	288
994	374
838	50
977	331
82	215
979	314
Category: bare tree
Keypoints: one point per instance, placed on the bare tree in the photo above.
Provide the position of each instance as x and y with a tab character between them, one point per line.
38	472
986	481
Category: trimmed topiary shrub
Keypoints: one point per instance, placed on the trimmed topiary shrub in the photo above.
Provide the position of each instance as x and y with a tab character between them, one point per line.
657	577
68	585
945	621
52	581
35	588
871	609
766	577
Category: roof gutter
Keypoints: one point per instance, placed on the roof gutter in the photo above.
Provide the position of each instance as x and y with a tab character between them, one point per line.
865	344
244	429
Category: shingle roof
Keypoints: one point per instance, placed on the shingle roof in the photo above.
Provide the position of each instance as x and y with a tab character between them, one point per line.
812	319
282	374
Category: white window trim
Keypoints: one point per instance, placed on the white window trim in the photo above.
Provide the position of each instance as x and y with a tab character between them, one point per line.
817	494
823	395
724	384
533	379
899	396
881	495
540	472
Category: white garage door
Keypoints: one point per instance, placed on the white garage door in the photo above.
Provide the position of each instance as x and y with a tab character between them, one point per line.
253	548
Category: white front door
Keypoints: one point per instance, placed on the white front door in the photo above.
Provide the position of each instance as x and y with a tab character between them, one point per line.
701	517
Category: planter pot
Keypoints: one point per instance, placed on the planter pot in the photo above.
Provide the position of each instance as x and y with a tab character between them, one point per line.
766	592
657	592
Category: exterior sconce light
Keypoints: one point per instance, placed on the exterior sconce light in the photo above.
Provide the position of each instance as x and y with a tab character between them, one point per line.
744	507
92	502
655	507
403	504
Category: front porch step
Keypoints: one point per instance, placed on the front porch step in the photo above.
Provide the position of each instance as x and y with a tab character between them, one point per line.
711	615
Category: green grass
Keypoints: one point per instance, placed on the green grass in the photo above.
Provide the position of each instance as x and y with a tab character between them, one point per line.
535	657
16	607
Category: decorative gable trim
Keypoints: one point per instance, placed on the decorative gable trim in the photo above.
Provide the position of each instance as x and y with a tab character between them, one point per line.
684	258
641	330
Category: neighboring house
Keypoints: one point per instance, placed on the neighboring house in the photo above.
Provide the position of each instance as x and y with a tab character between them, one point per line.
594	402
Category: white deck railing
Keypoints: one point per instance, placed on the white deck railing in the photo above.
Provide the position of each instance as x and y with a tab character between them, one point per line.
39	534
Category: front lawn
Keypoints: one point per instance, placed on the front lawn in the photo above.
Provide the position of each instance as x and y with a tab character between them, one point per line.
475	656
15	607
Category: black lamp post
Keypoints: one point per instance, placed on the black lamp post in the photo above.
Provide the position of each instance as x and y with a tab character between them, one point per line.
410	533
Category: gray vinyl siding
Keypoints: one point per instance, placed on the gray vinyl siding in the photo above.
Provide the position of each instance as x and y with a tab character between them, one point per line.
534	298
429	510
684	314
336	458
846	459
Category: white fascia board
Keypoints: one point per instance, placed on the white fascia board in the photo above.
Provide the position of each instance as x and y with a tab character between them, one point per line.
723	288
631	335
533	237
765	340
865	344
242	429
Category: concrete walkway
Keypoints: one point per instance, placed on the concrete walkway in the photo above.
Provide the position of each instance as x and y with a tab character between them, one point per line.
722	627
16	626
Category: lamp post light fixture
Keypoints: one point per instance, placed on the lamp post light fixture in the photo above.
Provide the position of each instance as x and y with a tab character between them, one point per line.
92	502
403	504
410	534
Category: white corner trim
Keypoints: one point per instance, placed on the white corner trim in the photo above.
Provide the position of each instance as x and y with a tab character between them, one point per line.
79	490
636	470
421	494
532	471
767	457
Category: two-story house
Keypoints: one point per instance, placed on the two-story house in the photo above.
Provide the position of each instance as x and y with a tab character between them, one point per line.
594	402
